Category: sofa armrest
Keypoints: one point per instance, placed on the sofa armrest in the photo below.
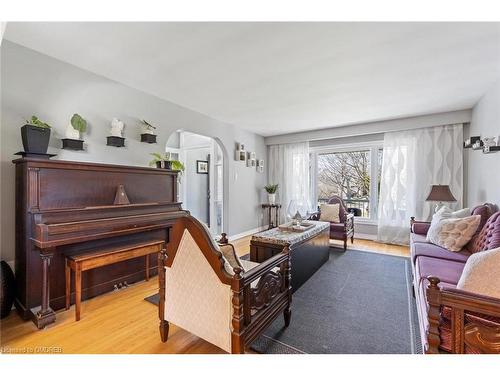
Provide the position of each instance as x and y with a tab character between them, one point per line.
256	272
255	303
419	227
477	335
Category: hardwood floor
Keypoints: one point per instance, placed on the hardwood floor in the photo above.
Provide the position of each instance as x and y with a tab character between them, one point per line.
375	247
122	322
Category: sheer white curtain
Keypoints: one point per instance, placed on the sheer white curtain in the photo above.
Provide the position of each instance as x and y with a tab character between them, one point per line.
414	160
288	166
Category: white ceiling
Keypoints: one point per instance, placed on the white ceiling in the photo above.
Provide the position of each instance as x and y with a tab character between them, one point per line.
275	78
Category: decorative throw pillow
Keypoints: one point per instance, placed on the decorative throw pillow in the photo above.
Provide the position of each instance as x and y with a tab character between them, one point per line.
480	274
330	212
453	234
445	213
230	255
229	263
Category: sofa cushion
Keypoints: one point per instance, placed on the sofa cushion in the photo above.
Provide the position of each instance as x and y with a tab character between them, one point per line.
480	274
427	249
453	234
447	271
330	212
248	264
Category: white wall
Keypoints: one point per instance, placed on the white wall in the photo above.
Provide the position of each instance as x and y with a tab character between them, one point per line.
196	196
376	127
33	83
483	170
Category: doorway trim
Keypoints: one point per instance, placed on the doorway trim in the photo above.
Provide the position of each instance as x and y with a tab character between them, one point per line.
225	172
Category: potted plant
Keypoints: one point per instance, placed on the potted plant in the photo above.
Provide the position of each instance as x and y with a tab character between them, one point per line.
271	193
35	136
164	161
75	128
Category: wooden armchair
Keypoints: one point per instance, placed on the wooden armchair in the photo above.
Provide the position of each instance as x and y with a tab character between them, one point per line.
345	228
207	290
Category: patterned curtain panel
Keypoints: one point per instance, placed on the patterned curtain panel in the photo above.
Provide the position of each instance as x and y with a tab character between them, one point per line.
414	160
289	167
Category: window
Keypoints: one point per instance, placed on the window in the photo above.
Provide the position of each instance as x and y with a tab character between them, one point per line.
348	174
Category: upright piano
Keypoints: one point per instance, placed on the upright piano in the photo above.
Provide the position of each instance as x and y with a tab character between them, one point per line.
67	208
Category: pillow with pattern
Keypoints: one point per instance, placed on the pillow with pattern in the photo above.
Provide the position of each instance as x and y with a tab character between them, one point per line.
480	274
453	234
330	212
446	213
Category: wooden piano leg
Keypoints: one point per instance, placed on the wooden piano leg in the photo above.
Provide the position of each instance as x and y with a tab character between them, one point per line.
147	267
67	271
44	315
78	290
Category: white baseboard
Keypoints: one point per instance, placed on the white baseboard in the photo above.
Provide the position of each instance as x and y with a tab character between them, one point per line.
235	237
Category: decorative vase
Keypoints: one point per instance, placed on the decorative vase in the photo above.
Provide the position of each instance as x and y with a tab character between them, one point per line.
7	289
271	198
35	139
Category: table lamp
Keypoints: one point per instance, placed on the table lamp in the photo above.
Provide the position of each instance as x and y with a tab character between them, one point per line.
440	194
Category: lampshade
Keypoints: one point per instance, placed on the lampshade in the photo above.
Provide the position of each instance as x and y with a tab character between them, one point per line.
441	193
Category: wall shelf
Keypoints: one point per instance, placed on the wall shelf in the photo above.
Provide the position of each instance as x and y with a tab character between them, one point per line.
148	138
72	144
469	142
490	149
115	141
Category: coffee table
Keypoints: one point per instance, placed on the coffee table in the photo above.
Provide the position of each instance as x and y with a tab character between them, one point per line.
309	249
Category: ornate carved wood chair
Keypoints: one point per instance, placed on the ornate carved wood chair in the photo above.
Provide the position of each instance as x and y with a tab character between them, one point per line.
207	290
345	228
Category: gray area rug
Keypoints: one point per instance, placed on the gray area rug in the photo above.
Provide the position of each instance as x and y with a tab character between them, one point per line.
356	303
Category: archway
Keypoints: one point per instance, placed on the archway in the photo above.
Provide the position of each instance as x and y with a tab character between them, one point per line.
203	185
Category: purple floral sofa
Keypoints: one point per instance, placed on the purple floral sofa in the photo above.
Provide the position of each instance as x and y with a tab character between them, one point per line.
453	320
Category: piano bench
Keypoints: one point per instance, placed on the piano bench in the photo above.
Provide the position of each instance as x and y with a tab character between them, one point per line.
87	261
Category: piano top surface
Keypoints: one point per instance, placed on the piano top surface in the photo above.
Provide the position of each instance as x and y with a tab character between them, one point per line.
68	164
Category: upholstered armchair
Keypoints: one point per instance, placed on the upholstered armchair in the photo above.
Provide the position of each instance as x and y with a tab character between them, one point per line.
344	229
207	290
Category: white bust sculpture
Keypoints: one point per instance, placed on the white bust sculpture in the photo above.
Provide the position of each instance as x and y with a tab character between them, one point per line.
117	128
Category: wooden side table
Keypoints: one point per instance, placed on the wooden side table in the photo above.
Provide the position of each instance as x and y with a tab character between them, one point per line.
276	208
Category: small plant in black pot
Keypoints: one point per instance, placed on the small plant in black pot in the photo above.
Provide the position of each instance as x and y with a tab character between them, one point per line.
35	135
165	162
74	130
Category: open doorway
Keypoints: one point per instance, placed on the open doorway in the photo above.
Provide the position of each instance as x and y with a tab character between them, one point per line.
201	189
